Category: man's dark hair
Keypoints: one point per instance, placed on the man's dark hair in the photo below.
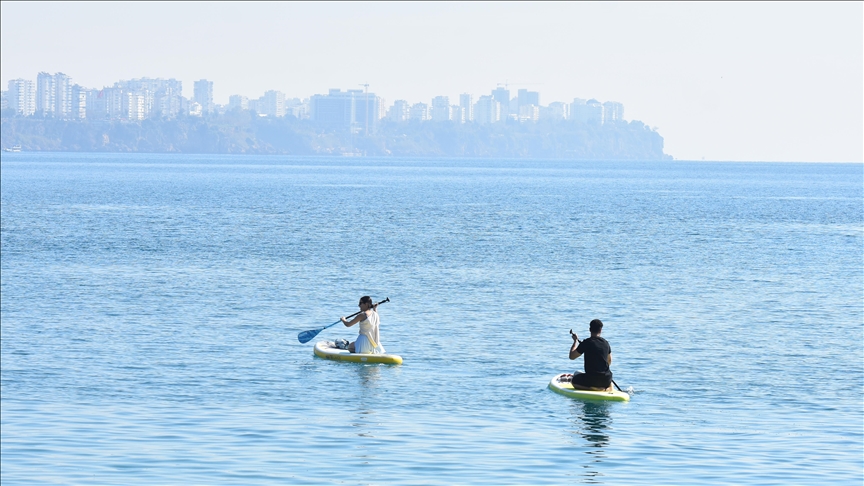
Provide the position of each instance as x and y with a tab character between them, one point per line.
596	326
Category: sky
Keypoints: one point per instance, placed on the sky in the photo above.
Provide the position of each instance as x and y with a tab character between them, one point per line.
732	81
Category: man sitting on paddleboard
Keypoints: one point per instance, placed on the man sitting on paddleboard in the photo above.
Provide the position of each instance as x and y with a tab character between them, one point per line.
367	342
598	358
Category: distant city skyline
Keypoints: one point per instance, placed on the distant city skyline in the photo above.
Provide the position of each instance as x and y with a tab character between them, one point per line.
58	96
741	81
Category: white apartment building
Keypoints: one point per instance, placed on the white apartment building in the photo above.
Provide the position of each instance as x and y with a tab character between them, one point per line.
62	96
21	96
440	108
558	110
456	114
399	112
237	101
297	108
161	96
529	113
112	99
133	106
272	104
53	95
78	110
203	95
487	110
45	94
467	107
613	112
589	112
419	112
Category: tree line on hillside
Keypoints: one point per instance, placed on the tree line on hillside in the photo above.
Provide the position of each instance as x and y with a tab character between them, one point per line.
243	132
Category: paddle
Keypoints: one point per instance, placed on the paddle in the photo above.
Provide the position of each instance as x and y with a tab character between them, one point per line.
306	336
613	381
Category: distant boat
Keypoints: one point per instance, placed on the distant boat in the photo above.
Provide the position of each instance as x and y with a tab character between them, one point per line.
14	148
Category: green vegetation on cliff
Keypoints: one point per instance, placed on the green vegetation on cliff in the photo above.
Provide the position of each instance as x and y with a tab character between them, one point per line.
244	132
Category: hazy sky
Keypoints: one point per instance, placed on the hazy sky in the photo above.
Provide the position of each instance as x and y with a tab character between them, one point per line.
724	81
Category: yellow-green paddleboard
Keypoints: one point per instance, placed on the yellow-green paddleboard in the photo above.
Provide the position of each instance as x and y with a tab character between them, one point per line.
565	388
324	349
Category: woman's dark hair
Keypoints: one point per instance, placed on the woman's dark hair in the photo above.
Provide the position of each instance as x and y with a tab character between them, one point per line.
367	300
596	326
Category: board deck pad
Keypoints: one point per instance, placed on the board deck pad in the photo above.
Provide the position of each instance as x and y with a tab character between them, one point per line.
564	387
326	350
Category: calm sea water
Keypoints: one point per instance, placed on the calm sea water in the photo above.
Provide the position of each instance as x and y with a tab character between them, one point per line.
151	305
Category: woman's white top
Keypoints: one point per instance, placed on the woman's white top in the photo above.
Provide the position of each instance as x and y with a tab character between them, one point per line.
369	330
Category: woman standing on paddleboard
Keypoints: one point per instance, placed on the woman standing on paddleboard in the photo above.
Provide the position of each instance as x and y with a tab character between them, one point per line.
367	342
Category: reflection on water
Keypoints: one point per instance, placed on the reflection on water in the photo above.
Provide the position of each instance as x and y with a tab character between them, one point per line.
368	375
592	422
367	378
595	422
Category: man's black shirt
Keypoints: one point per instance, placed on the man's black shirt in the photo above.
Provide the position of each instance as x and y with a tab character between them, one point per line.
596	351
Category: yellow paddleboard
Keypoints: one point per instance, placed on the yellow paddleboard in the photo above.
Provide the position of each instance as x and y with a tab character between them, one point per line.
325	350
565	388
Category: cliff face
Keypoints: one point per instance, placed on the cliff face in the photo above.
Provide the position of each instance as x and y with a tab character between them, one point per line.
243	132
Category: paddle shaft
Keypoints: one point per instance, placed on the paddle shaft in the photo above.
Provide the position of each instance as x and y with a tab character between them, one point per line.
306	336
358	312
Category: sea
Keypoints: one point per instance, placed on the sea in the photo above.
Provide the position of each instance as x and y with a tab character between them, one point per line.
150	307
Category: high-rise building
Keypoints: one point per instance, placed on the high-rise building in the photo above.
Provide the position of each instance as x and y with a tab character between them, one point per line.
78	109
487	110
382	108
613	112
157	94
440	108
467	107
62	96
53	95
21	96
168	102
502	96
526	97
203	95
399	111
335	109
589	112
456	114
45	94
529	113
418	112
586	111
353	109
96	107
272	104
557	111
297	108
133	106
238	102
367	111
115	108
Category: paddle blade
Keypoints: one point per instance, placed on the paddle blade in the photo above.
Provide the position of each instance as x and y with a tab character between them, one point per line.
306	336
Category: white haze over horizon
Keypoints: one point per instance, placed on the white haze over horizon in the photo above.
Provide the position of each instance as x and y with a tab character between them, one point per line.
719	81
